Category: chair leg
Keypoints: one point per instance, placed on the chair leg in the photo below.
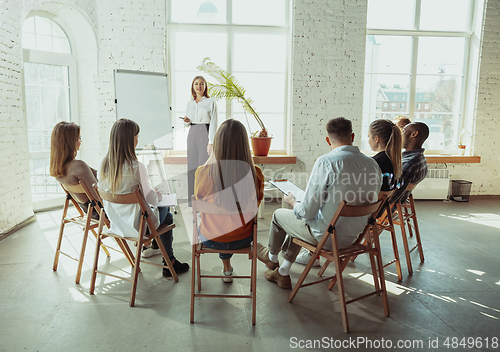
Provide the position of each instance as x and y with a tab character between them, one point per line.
323	268
198	272
59	239
340	287
395	249
343	265
103	246
58	247
417	231
167	259
94	267
193	275
302	277
82	252
135	274
405	239
381	277
253	284
374	271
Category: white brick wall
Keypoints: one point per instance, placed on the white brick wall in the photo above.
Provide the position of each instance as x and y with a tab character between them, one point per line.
486	175
327	73
15	193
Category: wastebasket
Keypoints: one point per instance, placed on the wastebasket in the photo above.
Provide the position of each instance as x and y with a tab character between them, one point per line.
460	190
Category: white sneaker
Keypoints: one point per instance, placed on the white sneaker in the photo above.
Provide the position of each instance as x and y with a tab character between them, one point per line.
227	279
150	252
304	257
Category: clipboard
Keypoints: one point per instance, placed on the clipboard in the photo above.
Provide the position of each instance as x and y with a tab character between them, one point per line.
286	187
168	200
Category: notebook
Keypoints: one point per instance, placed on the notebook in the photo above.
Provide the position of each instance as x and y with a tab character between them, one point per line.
286	187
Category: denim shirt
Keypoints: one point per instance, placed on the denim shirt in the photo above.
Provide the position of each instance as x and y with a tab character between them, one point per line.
343	174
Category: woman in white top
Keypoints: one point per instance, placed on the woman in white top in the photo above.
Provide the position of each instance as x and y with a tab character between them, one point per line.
201	116
120	172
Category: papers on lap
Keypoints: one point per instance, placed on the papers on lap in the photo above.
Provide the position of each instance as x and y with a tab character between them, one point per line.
168	200
288	187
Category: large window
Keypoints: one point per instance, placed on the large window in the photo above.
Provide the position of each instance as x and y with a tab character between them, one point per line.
250	39
49	68
417	65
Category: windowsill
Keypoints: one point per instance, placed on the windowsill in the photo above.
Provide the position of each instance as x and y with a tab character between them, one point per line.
443	158
452	159
267	160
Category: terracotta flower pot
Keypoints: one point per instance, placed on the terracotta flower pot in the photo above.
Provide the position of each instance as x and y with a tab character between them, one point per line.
261	145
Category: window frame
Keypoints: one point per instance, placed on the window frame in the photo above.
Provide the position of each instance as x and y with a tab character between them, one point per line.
59	59
231	30
415	35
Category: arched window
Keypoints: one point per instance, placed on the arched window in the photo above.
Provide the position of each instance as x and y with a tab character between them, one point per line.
49	78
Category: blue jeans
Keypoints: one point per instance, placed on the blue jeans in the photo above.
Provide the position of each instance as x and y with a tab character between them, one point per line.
225	245
167	238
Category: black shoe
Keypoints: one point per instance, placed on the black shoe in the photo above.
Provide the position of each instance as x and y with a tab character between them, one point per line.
178	267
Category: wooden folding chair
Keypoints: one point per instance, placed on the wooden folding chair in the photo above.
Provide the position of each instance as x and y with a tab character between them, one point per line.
198	249
131	198
84	220
341	256
406	214
385	222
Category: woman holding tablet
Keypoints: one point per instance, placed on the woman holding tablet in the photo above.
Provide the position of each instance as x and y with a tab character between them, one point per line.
201	116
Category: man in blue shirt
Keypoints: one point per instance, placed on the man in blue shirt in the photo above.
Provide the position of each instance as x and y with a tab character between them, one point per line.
342	174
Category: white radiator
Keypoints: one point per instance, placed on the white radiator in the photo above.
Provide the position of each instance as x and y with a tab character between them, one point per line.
434	186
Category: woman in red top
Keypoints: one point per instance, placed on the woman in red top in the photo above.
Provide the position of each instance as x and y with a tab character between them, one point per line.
229	176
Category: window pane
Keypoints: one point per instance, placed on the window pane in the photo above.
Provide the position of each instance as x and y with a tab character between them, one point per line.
46	102
43	26
43	186
432	15
440	55
61	45
44	42
29	25
265	89
437	103
41	33
390	14
385	94
267	54
198	11
388	54
189	55
259	12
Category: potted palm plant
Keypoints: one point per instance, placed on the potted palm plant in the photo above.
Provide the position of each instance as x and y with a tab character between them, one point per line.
226	86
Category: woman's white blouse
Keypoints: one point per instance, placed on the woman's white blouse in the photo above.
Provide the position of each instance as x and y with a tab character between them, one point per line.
125	218
205	111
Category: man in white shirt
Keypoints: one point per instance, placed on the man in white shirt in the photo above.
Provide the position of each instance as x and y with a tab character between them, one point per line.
342	174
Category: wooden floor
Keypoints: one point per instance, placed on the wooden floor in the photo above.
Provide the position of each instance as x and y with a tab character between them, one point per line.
455	293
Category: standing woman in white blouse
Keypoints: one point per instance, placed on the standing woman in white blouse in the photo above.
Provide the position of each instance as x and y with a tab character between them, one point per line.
201	116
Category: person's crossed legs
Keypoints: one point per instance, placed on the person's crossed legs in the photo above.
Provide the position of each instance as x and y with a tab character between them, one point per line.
284	228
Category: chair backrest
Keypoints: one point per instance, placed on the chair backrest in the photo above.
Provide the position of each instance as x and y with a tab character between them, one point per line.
127	198
134	197
200	206
362	210
73	188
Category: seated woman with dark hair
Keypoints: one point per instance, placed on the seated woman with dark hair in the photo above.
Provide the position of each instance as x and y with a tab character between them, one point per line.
229	176
64	145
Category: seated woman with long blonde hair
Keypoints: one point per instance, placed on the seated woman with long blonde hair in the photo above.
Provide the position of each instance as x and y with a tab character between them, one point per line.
64	145
230	180
120	172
